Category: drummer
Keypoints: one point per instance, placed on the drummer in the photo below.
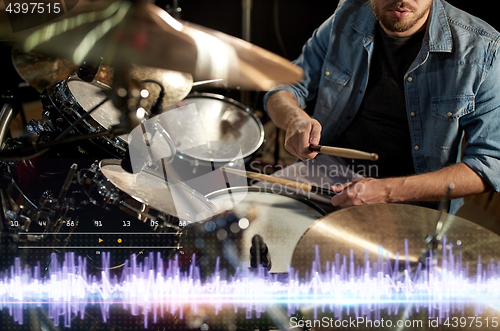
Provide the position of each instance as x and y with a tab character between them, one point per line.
407	80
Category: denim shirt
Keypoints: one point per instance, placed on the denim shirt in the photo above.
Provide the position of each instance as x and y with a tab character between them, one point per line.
452	88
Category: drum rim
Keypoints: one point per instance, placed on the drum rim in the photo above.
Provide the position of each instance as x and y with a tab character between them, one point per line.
297	197
117	162
74	78
246	109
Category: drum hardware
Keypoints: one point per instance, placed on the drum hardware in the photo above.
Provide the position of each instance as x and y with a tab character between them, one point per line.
22	153
89	69
67	182
80	120
7	114
174	10
259	254
435	239
157	106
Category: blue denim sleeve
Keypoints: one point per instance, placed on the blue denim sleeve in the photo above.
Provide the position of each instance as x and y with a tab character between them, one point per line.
311	61
482	134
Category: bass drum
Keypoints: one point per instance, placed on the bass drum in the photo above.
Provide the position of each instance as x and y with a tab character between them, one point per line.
279	218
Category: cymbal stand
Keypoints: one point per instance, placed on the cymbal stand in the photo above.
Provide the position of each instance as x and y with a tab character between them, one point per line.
435	240
174	10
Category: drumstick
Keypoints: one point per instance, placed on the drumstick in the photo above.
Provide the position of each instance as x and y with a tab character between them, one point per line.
344	152
276	180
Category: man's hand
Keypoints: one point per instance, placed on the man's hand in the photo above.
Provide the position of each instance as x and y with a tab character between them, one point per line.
425	187
300	134
363	191
301	130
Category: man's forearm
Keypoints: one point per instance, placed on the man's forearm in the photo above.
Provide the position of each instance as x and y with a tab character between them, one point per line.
283	109
426	187
432	186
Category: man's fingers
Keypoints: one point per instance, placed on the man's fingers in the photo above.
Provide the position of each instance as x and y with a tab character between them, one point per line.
339	188
315	134
300	136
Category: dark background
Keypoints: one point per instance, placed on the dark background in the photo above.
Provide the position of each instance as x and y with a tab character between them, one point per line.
292	20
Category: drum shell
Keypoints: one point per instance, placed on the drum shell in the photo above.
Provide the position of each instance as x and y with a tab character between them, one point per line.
61	109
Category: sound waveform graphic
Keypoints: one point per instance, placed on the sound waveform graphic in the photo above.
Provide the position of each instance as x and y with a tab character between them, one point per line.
155	287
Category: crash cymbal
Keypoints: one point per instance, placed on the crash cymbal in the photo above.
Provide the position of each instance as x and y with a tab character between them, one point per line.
145	34
40	70
369	227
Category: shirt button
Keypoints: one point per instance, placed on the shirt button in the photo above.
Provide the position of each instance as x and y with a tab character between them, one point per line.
449	114
412	114
410	79
417	147
327	73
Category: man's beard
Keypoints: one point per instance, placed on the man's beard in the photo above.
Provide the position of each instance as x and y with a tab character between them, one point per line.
395	24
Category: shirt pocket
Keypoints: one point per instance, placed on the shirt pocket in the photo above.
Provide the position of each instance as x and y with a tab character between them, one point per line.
447	113
334	80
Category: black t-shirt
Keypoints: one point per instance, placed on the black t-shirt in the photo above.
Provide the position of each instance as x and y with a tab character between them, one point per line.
381	124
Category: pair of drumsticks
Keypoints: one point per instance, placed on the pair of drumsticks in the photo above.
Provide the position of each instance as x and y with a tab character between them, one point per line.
334	151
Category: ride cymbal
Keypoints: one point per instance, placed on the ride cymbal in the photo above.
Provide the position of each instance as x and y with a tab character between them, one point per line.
370	227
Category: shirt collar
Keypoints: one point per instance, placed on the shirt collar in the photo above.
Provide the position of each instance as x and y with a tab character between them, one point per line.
440	39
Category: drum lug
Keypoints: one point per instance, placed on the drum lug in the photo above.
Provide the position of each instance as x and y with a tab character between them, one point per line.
94	166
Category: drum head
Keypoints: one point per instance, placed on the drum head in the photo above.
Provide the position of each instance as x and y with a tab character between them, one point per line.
222	119
145	188
280	220
89	95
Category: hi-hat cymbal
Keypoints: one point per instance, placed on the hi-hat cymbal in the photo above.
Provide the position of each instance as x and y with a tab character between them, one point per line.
367	227
40	70
144	34
152	190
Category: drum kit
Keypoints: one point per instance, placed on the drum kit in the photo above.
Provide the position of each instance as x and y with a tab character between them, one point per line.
68	170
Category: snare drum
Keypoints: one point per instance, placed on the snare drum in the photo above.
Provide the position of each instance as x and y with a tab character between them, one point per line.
280	219
66	101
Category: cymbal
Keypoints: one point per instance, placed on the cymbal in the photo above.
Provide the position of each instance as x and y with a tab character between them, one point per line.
40	70
177	84
368	227
144	34
153	191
